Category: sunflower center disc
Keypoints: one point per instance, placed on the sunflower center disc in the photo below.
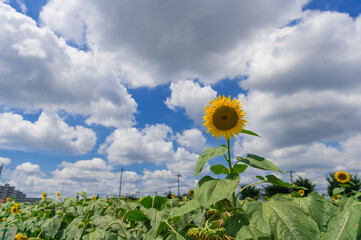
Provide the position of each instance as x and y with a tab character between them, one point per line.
225	118
342	176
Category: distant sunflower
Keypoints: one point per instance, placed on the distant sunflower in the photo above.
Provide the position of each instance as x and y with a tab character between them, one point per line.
172	195
7	199
93	197
224	117
191	192
43	195
342	177
57	194
301	192
14	209
336	197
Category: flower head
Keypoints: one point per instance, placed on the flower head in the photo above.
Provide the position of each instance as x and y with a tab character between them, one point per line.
342	177
301	192
191	192
43	195
57	194
19	236
224	117
336	197
7	199
14	210
172	195
93	197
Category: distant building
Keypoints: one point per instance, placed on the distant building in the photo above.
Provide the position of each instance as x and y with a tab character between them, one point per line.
8	191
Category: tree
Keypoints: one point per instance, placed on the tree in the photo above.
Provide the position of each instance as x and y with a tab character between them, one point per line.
250	192
333	183
306	183
271	190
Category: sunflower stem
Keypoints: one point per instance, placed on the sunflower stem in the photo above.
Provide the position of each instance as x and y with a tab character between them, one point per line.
234	199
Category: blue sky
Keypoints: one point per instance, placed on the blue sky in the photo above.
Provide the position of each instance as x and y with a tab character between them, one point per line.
85	91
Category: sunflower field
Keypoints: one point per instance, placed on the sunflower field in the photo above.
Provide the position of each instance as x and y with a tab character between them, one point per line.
211	211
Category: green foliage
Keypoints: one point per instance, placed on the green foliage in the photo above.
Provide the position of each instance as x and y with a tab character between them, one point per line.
306	183
349	188
250	192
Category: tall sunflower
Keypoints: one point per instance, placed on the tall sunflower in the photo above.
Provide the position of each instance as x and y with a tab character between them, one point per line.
342	177
224	117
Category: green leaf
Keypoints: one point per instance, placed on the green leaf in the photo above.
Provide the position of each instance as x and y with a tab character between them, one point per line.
234	223
289	221
219	169
153	202
209	190
259	227
344	185
83	194
136	215
98	234
206	155
102	221
72	231
260	178
317	208
175	236
347	224
250	133
338	190
259	162
52	225
240	168
188	207
276	181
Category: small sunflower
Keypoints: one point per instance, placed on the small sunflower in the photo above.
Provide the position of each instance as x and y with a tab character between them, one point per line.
14	210
57	194
7	199
342	177
336	197
43	195
19	236
191	192
172	195
301	192
93	197
224	117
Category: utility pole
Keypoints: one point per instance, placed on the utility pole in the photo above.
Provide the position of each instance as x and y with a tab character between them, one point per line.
120	182
178	175
1	168
291	176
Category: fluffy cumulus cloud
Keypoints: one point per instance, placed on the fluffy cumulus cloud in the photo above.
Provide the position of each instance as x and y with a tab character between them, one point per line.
192	97
156	42
38	70
192	139
49	132
4	160
130	145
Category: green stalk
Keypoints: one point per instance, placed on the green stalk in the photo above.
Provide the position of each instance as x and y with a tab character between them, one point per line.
234	199
248	186
121	226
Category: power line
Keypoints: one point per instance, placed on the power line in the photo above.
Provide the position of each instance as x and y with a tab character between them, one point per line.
291	176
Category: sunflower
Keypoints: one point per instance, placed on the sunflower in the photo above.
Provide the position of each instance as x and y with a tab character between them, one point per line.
191	192
57	194
172	195
19	236
342	177
301	192
43	195
14	210
93	197
224	117
336	197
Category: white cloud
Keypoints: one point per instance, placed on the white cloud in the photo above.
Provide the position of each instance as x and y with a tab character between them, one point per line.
130	145
192	97
54	76
170	41
192	139
48	132
4	160
183	162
